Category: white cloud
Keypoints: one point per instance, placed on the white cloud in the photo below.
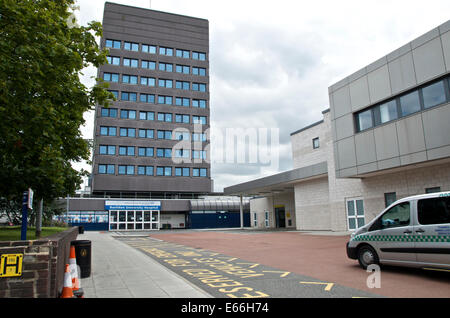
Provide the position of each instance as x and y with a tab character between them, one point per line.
272	62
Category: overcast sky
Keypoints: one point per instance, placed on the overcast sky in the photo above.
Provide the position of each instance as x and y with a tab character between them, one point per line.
271	62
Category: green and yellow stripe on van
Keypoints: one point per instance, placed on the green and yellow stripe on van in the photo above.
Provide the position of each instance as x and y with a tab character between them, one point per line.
403	238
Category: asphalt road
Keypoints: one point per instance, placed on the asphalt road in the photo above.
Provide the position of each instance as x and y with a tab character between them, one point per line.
307	258
226	276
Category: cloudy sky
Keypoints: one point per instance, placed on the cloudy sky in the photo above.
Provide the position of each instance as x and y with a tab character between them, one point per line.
271	62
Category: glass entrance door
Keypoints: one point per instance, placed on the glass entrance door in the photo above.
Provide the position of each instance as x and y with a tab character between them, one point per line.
134	220
280	217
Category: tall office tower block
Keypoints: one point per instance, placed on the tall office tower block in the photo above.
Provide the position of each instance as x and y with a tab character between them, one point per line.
153	141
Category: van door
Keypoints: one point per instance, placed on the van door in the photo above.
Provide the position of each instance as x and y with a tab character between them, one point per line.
392	235
432	232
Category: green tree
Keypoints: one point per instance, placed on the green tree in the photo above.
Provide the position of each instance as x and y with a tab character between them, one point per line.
12	210
42	100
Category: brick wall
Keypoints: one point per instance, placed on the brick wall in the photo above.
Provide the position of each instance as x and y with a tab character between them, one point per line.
42	267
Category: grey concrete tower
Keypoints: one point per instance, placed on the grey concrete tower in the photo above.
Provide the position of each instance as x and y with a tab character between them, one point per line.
153	141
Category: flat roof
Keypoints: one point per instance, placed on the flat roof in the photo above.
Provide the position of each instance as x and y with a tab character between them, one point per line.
312	125
278	183
150	9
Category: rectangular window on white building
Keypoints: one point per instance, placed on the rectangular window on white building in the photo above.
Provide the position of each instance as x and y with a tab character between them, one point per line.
316	143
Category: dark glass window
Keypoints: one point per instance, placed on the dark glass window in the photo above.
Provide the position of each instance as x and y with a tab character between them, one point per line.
183	53
114	44
389	198
146	133
434	211
131	46
148	81
146	98
410	103
166	67
316	143
148	65
433	190
107	131
434	94
388	112
182	69
102	169
149	49
113	60
165	51
109	112
199	56
365	120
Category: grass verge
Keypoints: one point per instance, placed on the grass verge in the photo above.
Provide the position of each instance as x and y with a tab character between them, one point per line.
12	233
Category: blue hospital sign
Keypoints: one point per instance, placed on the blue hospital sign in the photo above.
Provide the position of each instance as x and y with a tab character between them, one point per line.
133	205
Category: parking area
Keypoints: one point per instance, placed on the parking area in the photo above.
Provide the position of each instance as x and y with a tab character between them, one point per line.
311	261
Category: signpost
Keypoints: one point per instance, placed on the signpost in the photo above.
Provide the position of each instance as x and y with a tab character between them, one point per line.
27	203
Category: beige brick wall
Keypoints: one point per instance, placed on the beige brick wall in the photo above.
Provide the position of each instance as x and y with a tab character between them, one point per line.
261	205
303	153
312	205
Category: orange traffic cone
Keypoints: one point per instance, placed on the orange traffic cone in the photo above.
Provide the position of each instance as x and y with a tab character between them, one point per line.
77	291
67	289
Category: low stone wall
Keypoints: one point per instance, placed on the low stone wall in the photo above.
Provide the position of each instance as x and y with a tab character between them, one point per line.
43	266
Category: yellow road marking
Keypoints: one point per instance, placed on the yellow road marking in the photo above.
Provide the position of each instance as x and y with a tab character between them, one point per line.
327	288
230	259
253	264
283	274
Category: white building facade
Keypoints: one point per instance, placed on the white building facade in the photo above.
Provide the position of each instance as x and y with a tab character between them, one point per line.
386	136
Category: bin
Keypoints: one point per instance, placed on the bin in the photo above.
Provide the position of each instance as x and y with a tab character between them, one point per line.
81	229
83	253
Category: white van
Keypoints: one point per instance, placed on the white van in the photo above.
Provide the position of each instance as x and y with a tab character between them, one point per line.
413	232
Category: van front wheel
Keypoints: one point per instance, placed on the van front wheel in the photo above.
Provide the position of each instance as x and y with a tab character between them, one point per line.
367	256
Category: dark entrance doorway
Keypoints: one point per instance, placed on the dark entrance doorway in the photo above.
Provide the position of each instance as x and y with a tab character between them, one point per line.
280	217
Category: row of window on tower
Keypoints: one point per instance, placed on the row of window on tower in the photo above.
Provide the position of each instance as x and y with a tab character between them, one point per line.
161	171
161	99
151	65
151	82
148	133
149	152
154	49
150	116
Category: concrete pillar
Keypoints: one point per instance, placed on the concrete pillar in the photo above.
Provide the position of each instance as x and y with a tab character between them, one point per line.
241	211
